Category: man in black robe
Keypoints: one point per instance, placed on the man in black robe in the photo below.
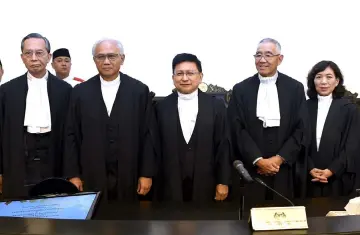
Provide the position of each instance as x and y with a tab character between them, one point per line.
33	111
195	144
267	123
108	145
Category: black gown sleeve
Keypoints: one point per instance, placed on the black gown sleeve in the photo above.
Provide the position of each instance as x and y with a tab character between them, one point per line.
244	147
72	138
294	144
149	134
222	144
346	161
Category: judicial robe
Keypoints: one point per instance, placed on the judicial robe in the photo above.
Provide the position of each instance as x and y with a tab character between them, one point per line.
94	138
247	132
12	112
211	163
338	149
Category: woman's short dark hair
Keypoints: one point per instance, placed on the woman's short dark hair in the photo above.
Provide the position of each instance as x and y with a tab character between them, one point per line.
339	90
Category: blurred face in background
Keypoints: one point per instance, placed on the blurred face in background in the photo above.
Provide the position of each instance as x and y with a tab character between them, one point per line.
62	66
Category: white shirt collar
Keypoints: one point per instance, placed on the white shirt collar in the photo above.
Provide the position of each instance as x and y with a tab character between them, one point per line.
268	80
31	77
114	82
68	78
327	98
190	96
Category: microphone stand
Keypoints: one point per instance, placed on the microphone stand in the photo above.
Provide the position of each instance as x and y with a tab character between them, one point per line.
262	183
242	202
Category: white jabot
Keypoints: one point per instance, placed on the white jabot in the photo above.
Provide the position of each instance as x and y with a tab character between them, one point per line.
188	106
71	81
37	112
109	90
324	103
267	108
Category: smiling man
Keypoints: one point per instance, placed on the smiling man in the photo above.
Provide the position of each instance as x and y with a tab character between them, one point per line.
194	137
33	110
266	114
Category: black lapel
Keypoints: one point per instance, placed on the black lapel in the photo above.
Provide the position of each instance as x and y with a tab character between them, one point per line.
21	97
204	112
330	121
172	116
120	102
204	120
98	97
256	127
313	107
285	106
170	120
283	96
252	93
53	97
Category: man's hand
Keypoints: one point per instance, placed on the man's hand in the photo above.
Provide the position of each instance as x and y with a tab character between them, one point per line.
221	192
267	167
77	182
320	175
277	160
327	173
144	185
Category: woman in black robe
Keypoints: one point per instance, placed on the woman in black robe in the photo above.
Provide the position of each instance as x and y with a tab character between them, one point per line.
333	133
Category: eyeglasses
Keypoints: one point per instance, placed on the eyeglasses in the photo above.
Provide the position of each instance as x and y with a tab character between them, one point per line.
38	54
266	56
111	57
189	74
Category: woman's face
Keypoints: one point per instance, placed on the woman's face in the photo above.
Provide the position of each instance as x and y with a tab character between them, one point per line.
325	82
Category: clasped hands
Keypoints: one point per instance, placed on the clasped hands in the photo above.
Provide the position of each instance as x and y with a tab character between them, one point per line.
320	175
269	166
144	184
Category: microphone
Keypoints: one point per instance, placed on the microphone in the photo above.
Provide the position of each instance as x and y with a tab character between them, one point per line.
239	166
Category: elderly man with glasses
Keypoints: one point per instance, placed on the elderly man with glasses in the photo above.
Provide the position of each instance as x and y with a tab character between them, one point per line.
109	145
33	110
267	113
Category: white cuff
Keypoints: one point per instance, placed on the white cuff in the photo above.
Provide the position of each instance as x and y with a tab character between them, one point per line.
256	160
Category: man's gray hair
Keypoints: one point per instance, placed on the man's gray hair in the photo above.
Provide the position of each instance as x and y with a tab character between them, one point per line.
36	35
277	44
117	42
